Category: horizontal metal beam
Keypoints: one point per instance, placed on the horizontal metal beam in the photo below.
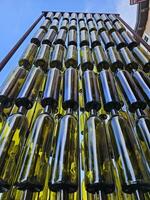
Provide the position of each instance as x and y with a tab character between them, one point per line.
62	12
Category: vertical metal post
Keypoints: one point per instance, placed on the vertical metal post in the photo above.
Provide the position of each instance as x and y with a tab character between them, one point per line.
18	44
139	39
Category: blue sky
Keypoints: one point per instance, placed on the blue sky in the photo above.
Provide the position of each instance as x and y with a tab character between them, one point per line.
17	15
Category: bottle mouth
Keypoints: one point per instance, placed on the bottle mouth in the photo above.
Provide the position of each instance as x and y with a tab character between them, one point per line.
29	185
5	101
132	186
25	102
137	105
68	187
112	105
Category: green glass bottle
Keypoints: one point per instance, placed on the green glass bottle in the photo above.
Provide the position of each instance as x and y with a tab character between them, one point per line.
11	86
28	56
33	162
42	58
143	57
49	37
142	128
130	161
12	139
98	175
30	88
57	56
37	38
71	57
64	173
100	58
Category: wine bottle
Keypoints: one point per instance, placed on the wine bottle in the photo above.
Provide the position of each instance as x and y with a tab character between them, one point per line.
91	91
64	24
109	27
142	57
64	173
118	40
28	56
72	37
33	161
109	92
70	92
66	16
128	59
89	17
115	59
91	26
71	57
73	16
61	37
98	175
30	88
113	18
57	56
131	93
54	25
100	58
94	39
119	27
73	25
86	58
42	58
82	25
97	17
143	83
130	41
37	38
49	37
84	39
45	25
106	39
11	86
130	162
142	127
81	17
57	16
52	88
12	139
49	16
104	18
100	27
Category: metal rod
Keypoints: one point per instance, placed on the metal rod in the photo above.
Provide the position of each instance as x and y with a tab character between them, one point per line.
62	12
139	39
18	44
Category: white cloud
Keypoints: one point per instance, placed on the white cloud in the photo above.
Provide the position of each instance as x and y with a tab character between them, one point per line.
127	12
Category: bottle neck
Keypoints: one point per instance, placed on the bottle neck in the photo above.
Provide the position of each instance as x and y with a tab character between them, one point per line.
139	113
69	111
114	112
22	110
118	70
48	109
93	112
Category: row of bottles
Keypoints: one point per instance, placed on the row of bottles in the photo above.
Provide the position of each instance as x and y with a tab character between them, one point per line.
71	128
